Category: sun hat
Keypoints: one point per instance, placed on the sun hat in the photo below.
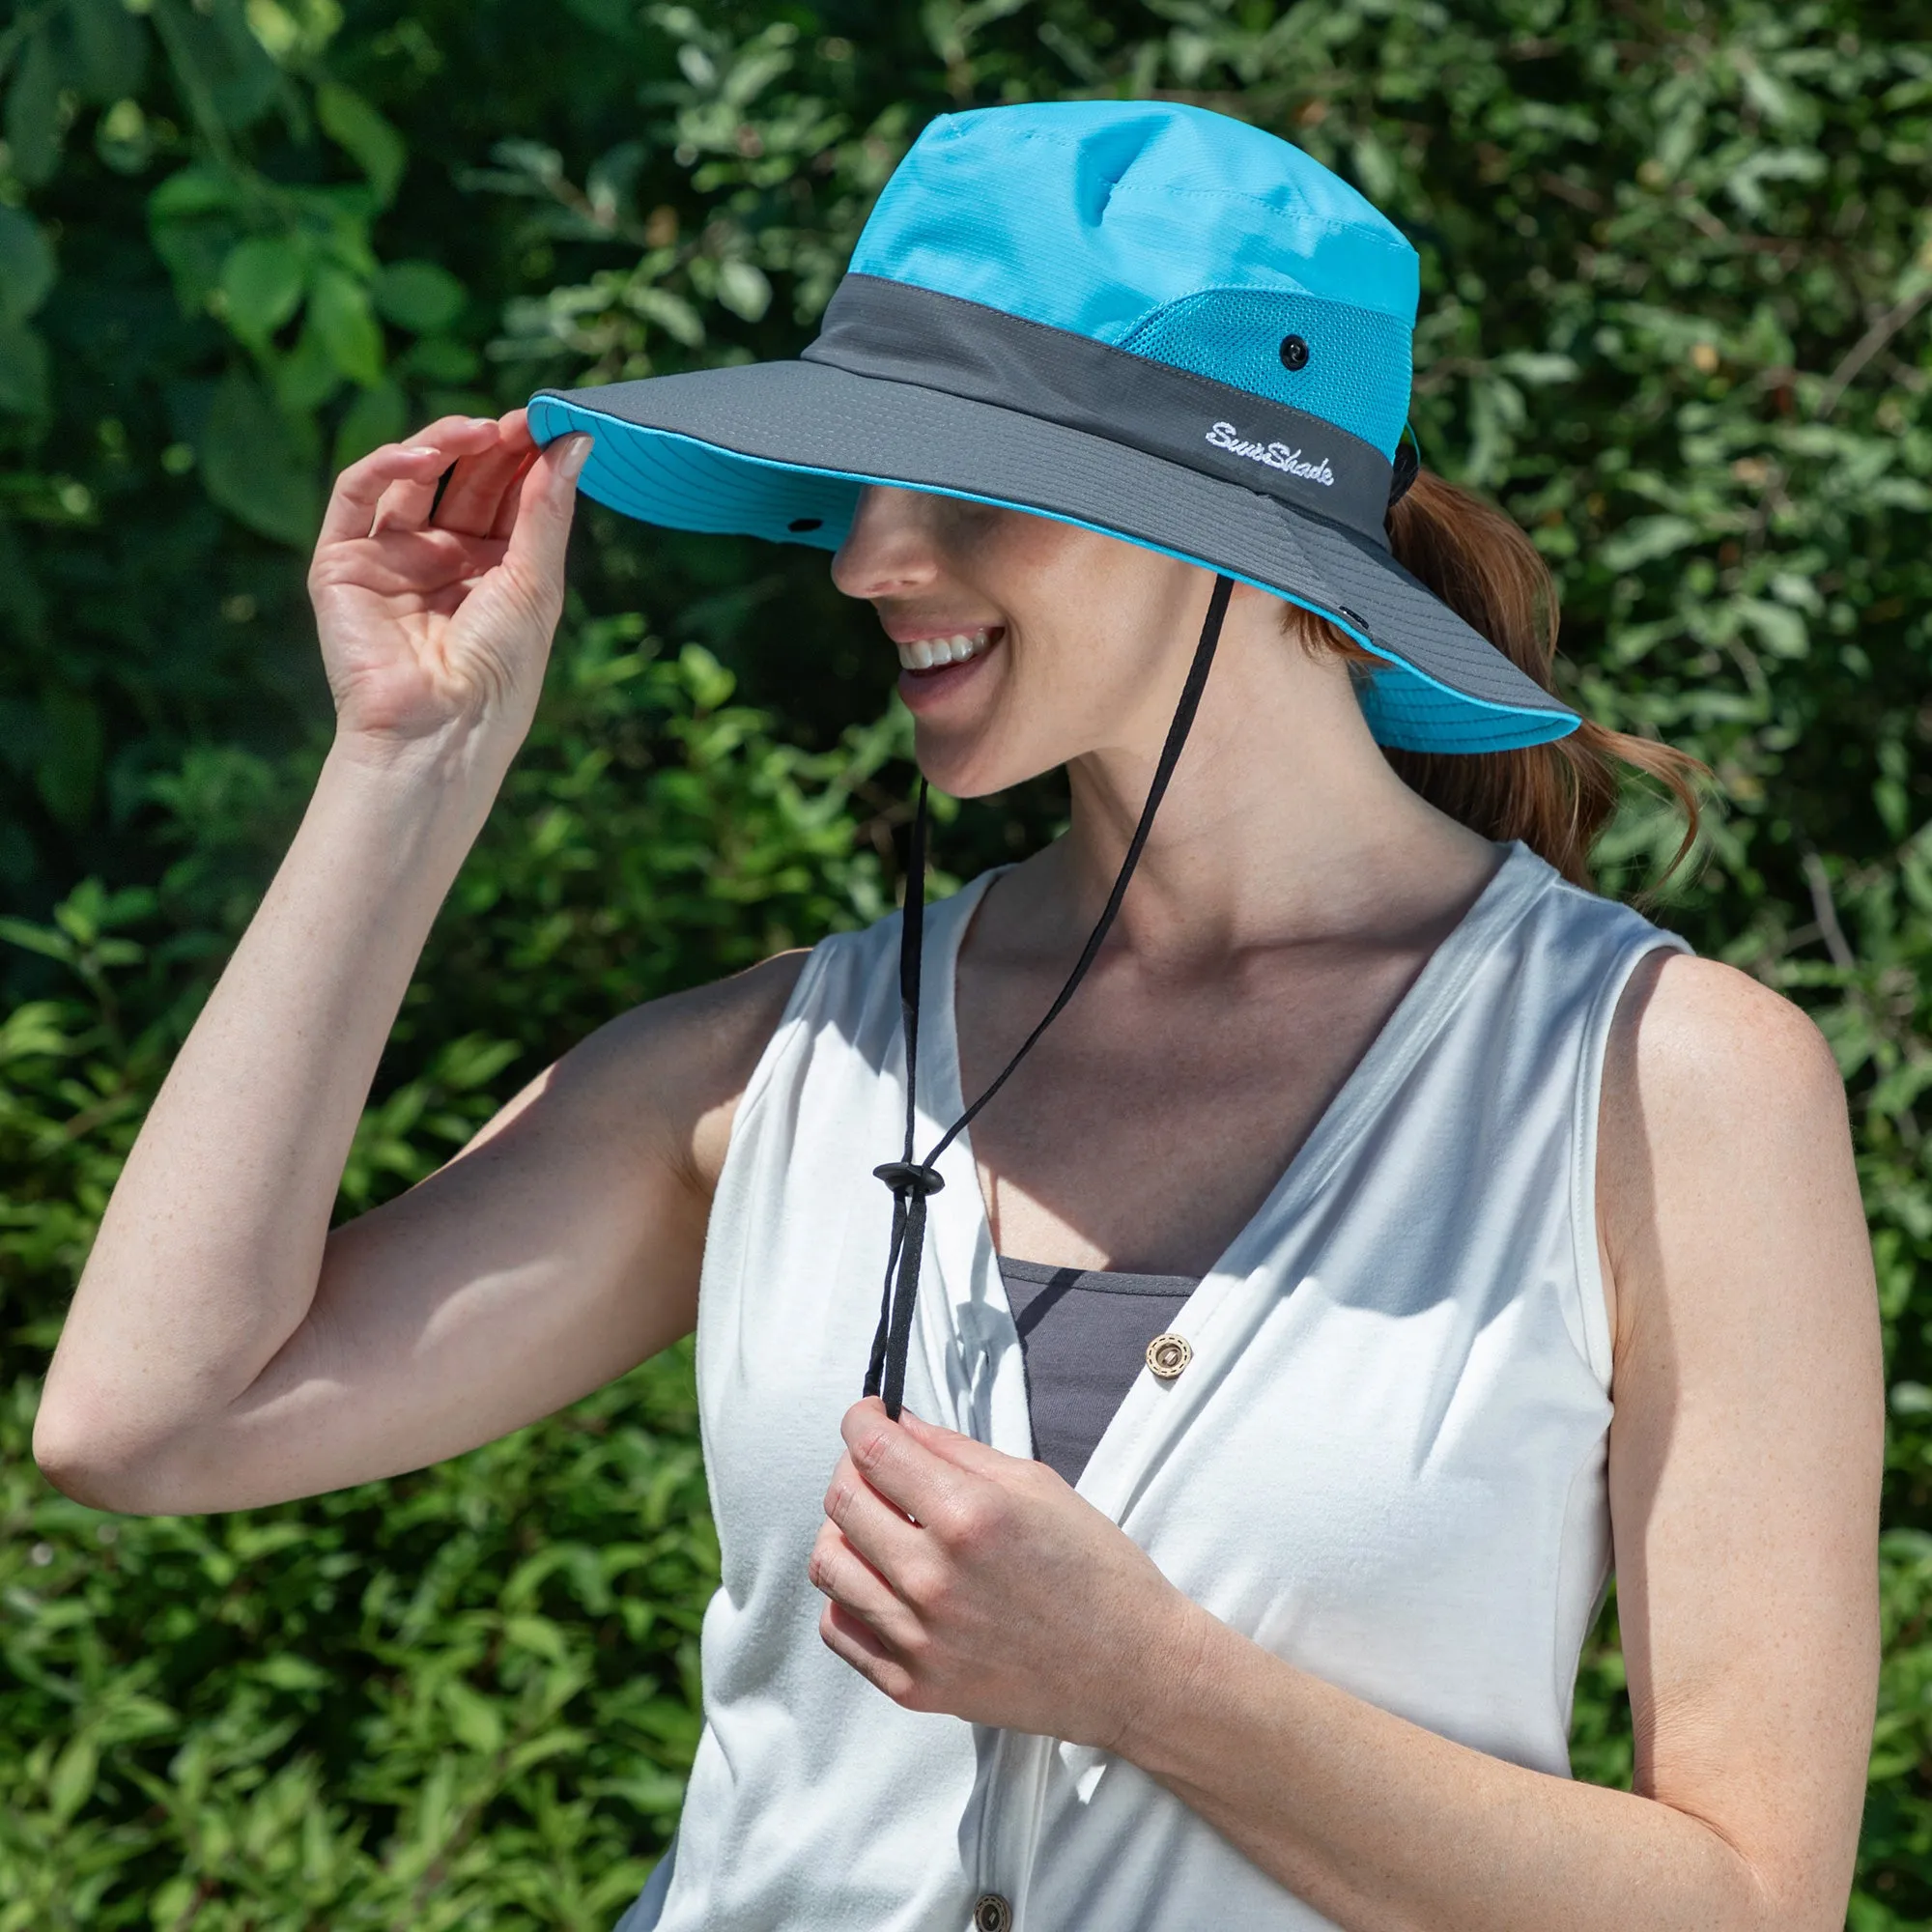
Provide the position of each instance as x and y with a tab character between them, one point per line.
1139	317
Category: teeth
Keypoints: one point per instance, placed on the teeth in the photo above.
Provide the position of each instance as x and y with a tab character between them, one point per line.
928	653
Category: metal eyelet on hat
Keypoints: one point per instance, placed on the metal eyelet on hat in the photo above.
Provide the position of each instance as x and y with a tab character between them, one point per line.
992	1914
1294	353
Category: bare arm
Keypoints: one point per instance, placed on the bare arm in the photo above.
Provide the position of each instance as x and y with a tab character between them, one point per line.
224	1347
1744	1463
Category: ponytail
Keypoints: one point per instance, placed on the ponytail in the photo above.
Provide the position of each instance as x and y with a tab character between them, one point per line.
1557	797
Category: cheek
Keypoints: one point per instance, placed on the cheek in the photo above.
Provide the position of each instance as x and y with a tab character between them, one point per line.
1092	624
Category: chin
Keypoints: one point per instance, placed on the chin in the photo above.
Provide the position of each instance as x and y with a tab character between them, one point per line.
971	769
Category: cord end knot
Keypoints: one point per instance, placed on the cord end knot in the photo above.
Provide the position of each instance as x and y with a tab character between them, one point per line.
910	1179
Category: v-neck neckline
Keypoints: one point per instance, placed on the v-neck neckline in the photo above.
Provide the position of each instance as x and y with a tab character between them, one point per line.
1411	1023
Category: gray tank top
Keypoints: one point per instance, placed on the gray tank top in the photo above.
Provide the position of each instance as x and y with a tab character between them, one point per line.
1083	1334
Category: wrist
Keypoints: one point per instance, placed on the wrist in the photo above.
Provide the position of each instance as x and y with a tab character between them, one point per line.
417	800
461	761
1166	1684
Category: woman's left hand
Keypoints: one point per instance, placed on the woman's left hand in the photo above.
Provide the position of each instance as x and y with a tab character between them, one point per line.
965	1581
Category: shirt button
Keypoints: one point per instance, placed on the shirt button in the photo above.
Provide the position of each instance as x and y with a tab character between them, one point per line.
992	1914
1168	1354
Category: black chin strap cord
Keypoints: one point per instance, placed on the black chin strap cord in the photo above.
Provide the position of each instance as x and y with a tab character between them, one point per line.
912	1180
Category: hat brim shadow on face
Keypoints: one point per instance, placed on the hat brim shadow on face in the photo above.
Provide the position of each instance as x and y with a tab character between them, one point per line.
780	450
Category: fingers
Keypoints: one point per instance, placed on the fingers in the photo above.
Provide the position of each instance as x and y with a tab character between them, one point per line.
405	474
895	1464
360	489
483	485
879	1532
847	1637
412	505
836	1569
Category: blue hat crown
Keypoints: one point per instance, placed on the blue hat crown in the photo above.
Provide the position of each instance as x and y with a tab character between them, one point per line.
1173	233
1140	317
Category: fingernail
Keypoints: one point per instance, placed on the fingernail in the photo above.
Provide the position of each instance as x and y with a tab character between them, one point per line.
576	453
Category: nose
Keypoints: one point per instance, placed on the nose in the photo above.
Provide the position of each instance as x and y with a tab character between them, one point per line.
889	550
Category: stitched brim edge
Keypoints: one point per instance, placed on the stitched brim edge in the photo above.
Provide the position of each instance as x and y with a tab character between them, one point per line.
780	450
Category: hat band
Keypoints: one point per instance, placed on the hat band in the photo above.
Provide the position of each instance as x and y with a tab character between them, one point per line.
901	333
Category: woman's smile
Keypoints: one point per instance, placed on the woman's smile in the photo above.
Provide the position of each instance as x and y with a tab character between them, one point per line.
935	664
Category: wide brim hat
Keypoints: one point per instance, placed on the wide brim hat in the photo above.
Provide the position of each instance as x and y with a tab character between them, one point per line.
1141	318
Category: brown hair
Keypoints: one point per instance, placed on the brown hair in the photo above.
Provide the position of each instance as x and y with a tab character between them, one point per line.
1557	797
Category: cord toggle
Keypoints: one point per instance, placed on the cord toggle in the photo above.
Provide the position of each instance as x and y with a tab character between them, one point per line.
909	1178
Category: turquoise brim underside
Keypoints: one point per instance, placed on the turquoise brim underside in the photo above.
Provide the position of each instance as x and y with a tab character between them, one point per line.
659	476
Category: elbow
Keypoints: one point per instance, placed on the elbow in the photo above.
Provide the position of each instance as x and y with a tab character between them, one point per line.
90	1463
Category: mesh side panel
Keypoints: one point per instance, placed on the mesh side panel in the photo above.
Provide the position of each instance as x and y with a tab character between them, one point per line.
1357	373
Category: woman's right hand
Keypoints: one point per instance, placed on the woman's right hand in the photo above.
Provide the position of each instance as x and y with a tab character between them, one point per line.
435	618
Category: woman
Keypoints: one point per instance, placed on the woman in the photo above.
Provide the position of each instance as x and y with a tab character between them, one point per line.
1236	1476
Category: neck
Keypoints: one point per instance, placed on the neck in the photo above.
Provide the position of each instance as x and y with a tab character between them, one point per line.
1283	820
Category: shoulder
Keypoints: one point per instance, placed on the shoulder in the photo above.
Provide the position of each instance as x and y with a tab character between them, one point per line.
664	1078
1700	1047
1724	1135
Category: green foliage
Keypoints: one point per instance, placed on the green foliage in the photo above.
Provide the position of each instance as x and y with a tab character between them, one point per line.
1676	270
467	1696
450	1700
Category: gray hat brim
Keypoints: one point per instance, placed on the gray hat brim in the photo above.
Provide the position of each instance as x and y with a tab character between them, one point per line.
780	450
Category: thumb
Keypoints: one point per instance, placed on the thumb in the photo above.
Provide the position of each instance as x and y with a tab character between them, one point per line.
546	501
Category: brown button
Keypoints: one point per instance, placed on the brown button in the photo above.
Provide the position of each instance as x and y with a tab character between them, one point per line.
992	1914
1168	1354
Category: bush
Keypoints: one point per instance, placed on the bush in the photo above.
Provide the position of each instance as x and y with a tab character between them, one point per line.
1676	271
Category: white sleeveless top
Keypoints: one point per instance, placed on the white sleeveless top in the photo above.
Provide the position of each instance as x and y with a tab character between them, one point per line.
1386	1462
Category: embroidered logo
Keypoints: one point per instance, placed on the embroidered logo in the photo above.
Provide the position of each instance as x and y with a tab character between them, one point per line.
1276	455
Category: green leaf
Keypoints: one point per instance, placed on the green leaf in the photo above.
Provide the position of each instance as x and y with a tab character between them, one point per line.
39	939
419	296
192	192
74	1774
345	325
1779	628
1538	369
253	467
671	312
26	265
1645	539
293	1673
474	1720
219	64
743	289
112	46
173	1902
263	279
378	415
364	135
25	380
439	358
194	218
32	113
306	377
